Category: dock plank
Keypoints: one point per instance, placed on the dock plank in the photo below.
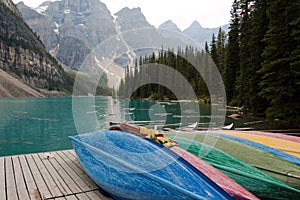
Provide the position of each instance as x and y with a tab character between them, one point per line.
54	189
69	167
73	197
60	198
19	178
2	174
11	188
30	183
72	155
59	182
97	196
102	195
42	187
66	173
83	196
36	177
77	168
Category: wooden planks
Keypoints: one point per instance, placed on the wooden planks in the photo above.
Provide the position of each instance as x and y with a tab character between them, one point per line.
55	175
2	176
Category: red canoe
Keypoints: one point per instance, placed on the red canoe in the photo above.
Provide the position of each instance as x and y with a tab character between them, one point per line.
230	186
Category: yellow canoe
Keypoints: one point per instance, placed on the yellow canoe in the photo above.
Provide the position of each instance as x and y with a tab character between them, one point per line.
290	147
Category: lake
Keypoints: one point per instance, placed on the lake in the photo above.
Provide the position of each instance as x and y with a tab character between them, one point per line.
29	125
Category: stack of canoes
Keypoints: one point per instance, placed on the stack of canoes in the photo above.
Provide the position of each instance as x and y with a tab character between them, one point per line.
205	165
273	177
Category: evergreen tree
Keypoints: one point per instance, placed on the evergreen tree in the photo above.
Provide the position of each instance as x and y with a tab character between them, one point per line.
232	57
206	47
279	79
295	59
243	83
213	49
221	51
259	23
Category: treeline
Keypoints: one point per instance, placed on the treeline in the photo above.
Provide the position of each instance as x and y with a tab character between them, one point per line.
169	75
259	60
262	58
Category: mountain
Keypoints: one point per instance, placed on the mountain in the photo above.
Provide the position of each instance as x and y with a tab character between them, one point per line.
169	24
70	29
129	19
87	20
202	35
41	25
26	68
83	33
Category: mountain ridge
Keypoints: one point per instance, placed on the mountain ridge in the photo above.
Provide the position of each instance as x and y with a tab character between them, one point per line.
24	57
71	30
126	19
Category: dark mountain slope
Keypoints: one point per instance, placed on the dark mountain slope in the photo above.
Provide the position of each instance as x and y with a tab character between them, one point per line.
22	54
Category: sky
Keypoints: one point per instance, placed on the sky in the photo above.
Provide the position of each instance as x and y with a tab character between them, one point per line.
209	13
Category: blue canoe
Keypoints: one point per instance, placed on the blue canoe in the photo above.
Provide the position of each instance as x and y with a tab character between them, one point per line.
130	167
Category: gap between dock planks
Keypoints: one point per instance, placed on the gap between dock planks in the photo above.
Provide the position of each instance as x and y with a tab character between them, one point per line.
55	175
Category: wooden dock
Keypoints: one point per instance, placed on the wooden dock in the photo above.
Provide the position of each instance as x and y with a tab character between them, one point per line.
54	175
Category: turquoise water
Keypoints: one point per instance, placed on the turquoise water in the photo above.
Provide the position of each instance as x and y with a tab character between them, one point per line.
29	125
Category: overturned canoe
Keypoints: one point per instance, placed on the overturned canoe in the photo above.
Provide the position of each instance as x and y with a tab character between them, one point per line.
230	186
130	167
290	147
228	156
275	135
286	156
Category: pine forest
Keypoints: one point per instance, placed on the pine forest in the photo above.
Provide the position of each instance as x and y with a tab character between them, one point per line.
259	60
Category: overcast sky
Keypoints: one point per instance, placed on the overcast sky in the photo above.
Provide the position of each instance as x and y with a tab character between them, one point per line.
209	13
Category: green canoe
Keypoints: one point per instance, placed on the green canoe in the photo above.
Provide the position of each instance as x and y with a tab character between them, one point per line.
254	180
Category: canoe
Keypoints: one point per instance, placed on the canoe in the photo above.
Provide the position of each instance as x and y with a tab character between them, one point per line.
230	186
290	147
277	152
276	135
236	160
130	167
228	127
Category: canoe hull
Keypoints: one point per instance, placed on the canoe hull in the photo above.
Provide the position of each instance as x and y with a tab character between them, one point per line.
287	146
130	167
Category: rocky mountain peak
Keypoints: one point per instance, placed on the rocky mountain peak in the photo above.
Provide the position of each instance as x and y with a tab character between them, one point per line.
71	28
126	11
42	8
132	18
200	34
169	25
76	6
87	20
195	26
